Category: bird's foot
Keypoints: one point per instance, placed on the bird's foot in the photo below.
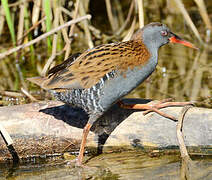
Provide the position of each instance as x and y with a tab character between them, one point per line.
155	107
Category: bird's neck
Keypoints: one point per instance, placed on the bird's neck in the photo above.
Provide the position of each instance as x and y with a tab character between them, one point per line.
152	48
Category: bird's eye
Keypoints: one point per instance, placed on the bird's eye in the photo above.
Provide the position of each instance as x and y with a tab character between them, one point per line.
164	33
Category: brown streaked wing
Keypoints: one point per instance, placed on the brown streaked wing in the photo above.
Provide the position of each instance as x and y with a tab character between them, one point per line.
63	65
92	65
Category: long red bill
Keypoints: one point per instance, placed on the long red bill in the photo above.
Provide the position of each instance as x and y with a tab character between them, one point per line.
176	39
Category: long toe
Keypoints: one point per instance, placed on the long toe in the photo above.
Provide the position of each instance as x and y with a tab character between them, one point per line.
160	113
163	104
169	104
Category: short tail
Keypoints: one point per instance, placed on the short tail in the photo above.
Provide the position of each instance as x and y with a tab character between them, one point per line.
38	80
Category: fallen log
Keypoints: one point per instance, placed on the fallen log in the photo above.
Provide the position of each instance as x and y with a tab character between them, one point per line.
46	128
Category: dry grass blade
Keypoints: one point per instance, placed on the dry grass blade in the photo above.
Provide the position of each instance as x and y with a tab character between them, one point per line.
54	44
188	19
2	19
66	38
6	72
127	19
166	81
32	28
21	23
64	31
140	13
190	75
24	91
85	25
36	13
75	16
71	32
4	54
203	12
110	16
131	31
120	14
197	77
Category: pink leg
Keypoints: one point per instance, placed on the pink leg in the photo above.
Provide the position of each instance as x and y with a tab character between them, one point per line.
83	142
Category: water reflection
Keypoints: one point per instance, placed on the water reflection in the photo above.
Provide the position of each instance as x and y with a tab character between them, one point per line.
124	165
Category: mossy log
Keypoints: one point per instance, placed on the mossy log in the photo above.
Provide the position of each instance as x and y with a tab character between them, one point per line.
46	128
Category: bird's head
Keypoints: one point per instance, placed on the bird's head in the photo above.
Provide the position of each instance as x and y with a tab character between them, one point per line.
155	35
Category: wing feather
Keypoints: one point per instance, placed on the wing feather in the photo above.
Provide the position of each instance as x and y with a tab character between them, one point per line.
94	64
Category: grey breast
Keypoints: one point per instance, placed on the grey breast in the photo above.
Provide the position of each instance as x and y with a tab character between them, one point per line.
120	85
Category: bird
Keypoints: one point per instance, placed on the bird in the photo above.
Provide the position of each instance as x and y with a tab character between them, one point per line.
99	77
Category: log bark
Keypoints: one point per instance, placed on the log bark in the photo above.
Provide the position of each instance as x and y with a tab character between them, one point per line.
47	128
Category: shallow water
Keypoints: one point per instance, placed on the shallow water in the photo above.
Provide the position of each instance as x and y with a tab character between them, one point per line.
122	165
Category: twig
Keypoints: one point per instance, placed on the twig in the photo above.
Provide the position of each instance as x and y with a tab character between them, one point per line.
28	95
66	11
187	163
180	136
48	63
32	28
4	54
11	94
